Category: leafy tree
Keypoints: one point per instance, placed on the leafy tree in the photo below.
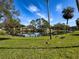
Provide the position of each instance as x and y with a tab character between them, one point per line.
33	22
7	11
12	25
41	25
21	25
68	13
5	8
60	26
30	27
45	23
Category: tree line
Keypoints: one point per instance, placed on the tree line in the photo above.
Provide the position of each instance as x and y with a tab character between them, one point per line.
11	22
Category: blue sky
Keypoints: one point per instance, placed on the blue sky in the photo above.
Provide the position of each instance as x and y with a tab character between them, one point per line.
33	9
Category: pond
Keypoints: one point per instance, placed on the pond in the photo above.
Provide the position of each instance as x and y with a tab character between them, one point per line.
30	35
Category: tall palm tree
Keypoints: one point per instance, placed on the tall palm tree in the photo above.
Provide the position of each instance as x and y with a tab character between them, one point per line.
68	14
47	1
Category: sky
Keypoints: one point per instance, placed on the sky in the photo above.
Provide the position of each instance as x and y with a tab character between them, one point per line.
34	9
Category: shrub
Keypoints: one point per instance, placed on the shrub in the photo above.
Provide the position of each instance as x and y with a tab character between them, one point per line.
57	32
2	32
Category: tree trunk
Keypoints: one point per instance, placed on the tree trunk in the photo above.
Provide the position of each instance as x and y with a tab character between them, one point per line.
14	31
67	26
49	19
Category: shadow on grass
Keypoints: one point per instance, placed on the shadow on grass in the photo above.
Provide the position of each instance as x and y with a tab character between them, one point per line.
75	34
4	39
39	47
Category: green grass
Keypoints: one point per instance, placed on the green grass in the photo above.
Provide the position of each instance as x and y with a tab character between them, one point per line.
71	53
70	40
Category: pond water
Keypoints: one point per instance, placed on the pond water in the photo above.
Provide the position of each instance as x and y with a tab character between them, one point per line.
31	34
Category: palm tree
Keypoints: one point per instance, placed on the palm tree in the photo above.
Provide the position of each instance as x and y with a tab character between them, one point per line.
47	1
68	14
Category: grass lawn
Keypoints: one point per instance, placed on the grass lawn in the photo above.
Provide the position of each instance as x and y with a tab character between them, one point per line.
36	48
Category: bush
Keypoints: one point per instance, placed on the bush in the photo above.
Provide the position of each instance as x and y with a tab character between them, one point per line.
2	32
58	32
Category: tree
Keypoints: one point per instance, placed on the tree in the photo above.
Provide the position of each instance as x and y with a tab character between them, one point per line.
40	25
7	11
68	14
45	26
5	7
21	25
12	25
77	22
33	23
60	26
31	29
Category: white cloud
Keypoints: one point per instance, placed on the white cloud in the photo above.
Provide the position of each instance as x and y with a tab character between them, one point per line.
59	8
41	15
24	20
32	8
46	18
